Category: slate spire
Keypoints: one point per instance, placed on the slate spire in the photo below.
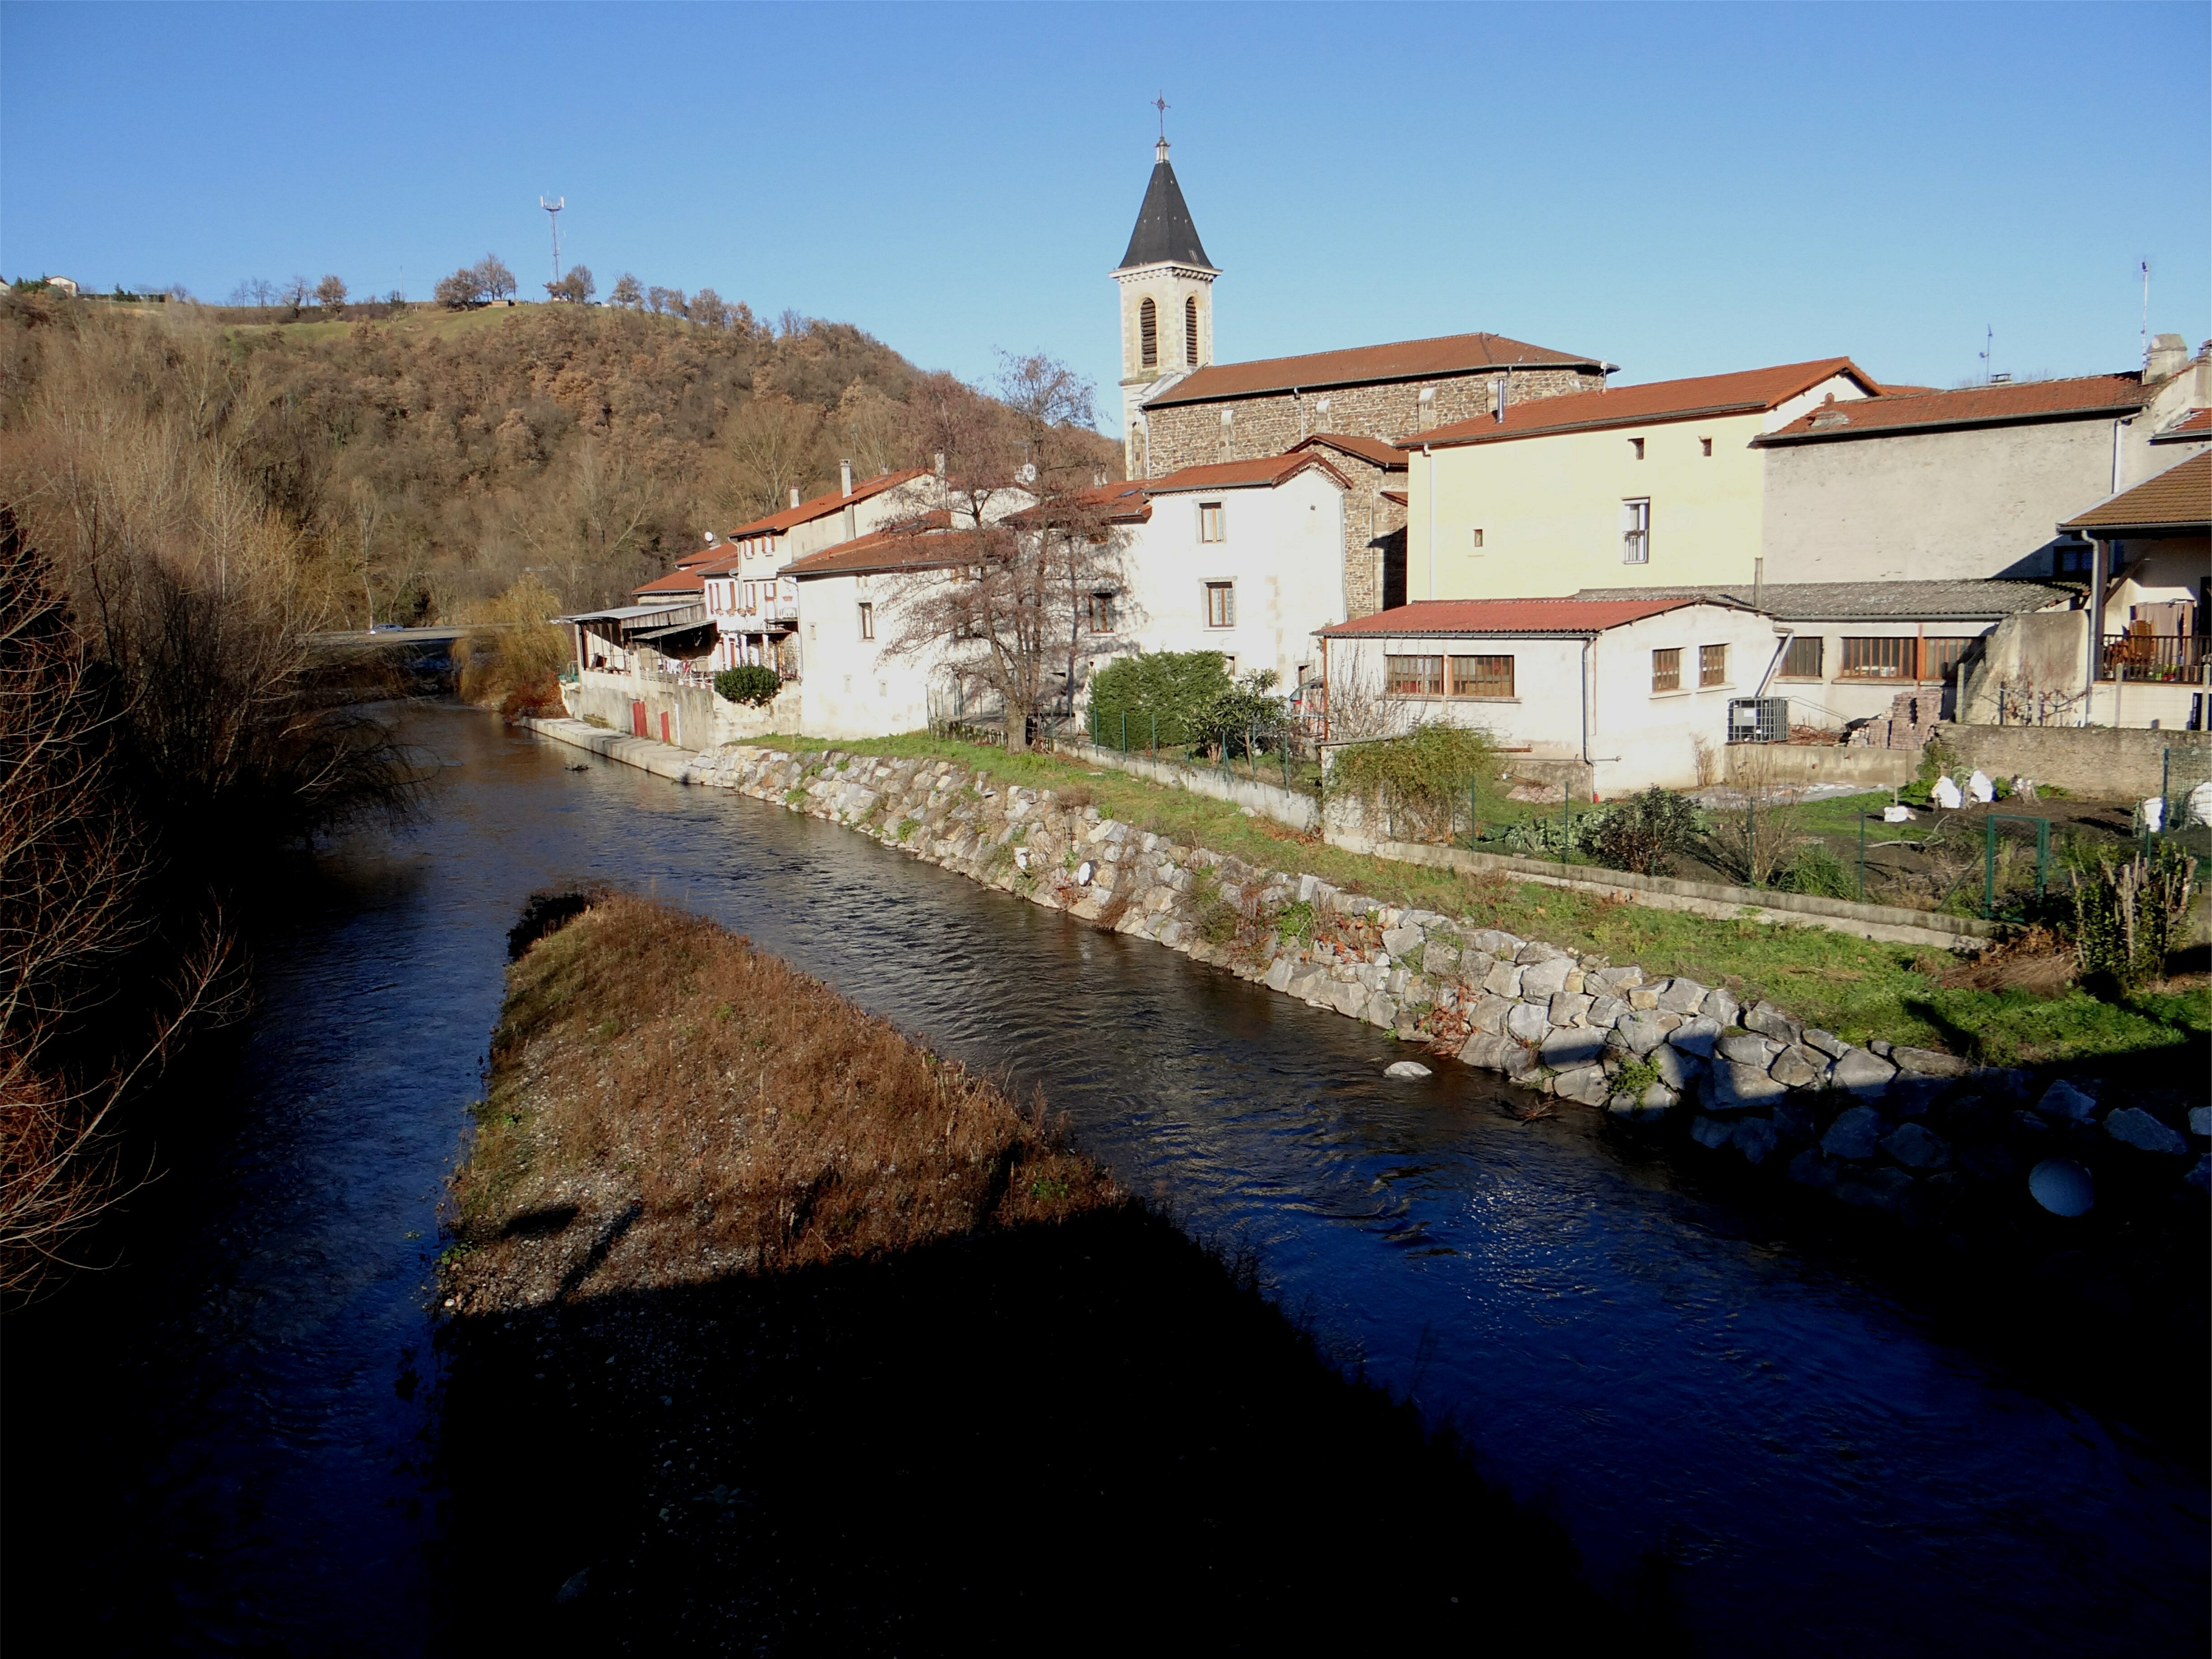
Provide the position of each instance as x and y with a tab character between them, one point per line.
1165	232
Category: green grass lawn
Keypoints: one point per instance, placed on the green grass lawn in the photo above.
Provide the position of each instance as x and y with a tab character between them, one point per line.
1857	988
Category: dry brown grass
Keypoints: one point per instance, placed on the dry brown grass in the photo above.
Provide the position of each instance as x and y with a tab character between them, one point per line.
2037	961
668	1104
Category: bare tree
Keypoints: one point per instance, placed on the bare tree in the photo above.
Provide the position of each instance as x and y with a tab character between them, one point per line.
459	291
774	446
494	280
1007	593
577	288
330	292
706	309
627	293
665	301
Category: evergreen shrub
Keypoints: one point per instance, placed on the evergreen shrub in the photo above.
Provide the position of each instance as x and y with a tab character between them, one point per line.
1178	689
755	683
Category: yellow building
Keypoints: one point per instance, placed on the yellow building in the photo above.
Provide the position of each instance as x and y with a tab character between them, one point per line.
1635	486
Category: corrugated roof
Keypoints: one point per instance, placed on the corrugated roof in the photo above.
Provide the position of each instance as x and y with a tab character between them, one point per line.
2178	499
822	505
1375	451
1403	360
903	547
1746	391
2193	427
1931	601
1261	472
1165	232
1975	405
1514	617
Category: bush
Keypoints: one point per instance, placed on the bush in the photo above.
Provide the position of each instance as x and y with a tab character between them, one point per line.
755	683
2130	913
1415	783
514	664
1179	689
1647	833
1242	717
1814	868
1559	838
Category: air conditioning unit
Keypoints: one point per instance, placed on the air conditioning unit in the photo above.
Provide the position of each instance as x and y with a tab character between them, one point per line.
1758	719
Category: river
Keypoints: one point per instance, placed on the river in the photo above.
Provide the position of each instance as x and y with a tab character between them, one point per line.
224	1436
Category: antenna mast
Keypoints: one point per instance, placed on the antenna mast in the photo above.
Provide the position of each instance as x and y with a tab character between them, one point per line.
1988	345
2146	312
553	215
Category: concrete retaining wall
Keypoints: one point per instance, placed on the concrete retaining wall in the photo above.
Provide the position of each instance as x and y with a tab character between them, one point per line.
1270	800
1798	763
2096	761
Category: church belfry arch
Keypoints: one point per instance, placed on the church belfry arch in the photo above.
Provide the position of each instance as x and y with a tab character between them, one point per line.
1163	277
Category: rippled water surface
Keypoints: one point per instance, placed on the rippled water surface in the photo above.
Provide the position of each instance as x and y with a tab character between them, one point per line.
1663	1372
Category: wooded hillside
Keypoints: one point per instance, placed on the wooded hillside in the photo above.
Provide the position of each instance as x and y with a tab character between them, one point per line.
428	460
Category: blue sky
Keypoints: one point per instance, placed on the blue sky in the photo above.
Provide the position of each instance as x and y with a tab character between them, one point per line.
1682	190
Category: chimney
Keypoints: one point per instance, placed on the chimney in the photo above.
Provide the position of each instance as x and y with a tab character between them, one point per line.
1503	388
937	463
845	475
1426	416
794	495
2165	358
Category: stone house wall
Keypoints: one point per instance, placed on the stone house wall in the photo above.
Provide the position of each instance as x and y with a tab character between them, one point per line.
1193	434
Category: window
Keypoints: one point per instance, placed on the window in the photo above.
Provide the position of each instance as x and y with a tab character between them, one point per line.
1803	659
1482	677
1148	335
1704	445
1099	613
1478	539
1712	664
1221	605
867	621
1667	670
1636	447
1414	677
1211	527
1636	532
1939	659
1879	658
2071	559
1190	330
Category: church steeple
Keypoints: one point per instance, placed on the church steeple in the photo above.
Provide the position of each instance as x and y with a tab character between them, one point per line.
1167	303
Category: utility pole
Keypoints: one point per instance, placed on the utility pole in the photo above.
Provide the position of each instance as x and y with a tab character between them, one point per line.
553	215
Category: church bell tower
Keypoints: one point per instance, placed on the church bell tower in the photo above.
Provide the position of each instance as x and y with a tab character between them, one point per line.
1167	305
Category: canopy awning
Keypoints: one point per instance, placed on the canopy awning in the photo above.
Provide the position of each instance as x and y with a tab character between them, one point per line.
686	641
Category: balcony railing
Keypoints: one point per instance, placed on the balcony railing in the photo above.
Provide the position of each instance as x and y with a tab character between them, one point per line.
2178	659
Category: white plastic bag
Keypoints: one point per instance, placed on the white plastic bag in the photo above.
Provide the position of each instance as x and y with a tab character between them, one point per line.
1946	794
2200	805
1896	815
1980	787
2153	814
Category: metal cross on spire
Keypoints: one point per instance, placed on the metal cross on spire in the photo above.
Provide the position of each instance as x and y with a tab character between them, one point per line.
1161	104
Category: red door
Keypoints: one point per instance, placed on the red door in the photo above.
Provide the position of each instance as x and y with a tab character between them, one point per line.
664	735
637	719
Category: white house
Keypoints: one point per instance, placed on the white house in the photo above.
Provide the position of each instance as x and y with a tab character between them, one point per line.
849	601
1245	558
1628	692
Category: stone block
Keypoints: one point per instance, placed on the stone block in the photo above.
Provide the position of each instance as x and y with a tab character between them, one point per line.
2200	1121
1545	978
1676	1069
1756	1138
1643	997
1811	1169
1497	1054
1910	1093
1569	1008
1613	981
1927	1063
1527	1022
1916	1148
1712	1132
1794	1120
1722	1006
1737	1088
1606	1010
1278	976
1348	997
1640	1033
1536	950
1504	980
1439	961
1746	1048
1770	1021
1571	1046
1489	1012
1798	1066
1681	996
1824	1043
1494	942
1586	1084
1403	941
1382	1010
1862	1073
2132	1126
2064	1103
1695	1037
1857	1133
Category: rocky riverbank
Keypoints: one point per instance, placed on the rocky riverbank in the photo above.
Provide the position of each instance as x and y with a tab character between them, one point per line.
1913	1133
770	1331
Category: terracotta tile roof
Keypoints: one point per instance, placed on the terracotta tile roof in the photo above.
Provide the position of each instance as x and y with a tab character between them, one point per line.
1121	503
1375	451
1959	600
1973	405
1747	391
676	581
1262	471
912	546
1513	618
823	505
2178	499
1403	359
1398	495
2193	427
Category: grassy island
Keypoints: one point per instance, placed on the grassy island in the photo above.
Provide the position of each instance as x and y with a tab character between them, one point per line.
771	1331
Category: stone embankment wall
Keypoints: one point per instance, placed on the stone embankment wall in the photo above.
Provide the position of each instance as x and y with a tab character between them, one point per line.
1889	1127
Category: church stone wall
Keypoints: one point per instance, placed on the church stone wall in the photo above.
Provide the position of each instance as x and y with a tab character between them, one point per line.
1192	434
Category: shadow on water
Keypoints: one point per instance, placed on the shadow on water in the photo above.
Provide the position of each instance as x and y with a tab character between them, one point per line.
223	1442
